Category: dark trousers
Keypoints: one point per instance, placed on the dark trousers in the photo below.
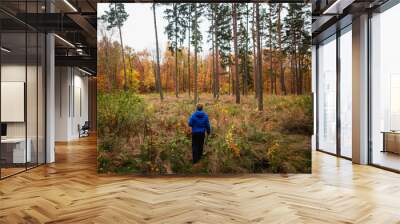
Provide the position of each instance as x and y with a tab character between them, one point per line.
197	146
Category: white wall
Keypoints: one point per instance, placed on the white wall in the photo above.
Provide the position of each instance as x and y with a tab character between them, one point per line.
62	82
71	94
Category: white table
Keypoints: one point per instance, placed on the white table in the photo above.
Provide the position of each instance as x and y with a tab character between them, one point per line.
19	154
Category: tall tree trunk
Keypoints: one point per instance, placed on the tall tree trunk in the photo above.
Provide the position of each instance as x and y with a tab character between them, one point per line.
189	56
237	85
300	81
275	85
176	52
270	53
130	69
110	80
141	71
230	80
259	60
246	68
296	70
196	96
184	88
158	54
282	79
294	63
183	76
123	53
155	75
210	84
216	55
213	54
213	87
294	90
176	73
123	58
204	74
279	32
167	76
255	63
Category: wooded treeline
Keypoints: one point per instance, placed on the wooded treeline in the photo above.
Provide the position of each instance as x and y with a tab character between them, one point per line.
256	48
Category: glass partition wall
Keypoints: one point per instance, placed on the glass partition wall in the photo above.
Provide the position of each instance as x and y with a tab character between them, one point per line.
334	104
345	62
22	77
327	95
385	89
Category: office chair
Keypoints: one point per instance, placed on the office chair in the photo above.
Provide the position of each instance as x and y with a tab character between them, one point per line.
84	130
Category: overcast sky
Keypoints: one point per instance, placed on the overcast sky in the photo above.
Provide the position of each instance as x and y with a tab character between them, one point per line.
138	30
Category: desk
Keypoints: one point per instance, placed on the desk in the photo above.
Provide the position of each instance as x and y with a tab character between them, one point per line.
13	150
391	141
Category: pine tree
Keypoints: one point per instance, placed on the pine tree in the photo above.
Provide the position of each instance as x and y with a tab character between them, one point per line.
223	38
269	31
210	13
259	58
304	45
115	17
245	66
196	42
235	40
279	10
175	33
158	78
295	37
187	11
254	45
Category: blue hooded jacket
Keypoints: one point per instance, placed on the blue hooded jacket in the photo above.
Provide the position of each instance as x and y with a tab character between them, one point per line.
199	122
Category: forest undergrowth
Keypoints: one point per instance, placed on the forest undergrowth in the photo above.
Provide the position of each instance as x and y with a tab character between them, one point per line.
140	134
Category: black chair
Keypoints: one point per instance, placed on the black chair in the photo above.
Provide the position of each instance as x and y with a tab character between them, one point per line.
84	130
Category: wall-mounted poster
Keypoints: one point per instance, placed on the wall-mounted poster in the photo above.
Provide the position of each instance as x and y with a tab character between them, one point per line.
193	88
12	101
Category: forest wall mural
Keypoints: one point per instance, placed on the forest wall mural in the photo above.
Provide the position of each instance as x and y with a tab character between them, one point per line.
193	88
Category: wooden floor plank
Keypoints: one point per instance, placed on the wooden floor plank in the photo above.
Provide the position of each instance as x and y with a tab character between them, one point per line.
70	191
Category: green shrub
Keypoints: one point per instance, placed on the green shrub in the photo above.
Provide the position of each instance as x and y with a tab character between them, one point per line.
289	154
121	116
102	164
293	114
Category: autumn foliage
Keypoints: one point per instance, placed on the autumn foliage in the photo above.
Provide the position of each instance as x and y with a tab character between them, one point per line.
257	95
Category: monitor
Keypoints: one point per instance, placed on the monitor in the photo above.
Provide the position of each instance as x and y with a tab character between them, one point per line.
3	129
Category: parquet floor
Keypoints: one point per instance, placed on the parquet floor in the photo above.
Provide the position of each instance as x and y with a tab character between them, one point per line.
70	191
10	171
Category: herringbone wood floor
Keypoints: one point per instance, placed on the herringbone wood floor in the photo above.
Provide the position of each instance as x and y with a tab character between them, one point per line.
70	191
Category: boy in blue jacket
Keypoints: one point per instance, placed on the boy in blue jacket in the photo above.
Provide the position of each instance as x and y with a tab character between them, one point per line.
200	125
